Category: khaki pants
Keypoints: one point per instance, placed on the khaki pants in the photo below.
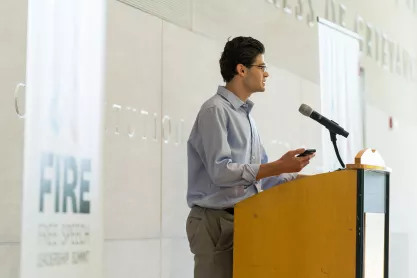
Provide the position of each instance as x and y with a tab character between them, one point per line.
210	234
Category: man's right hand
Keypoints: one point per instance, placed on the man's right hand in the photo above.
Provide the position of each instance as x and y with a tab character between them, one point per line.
289	163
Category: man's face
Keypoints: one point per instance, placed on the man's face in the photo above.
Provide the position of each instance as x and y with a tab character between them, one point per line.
256	76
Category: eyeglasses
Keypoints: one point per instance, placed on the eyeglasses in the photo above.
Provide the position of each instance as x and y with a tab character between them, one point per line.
264	68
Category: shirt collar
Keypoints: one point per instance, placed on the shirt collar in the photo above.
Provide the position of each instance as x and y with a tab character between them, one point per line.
234	100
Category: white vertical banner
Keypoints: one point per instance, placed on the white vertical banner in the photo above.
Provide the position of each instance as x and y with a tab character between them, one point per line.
62	233
340	97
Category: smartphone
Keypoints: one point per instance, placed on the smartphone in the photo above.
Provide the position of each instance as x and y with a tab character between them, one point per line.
307	152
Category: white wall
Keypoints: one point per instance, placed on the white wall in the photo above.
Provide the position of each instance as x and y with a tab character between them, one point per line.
159	72
12	71
161	68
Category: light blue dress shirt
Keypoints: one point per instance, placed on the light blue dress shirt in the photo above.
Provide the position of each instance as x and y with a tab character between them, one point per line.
224	154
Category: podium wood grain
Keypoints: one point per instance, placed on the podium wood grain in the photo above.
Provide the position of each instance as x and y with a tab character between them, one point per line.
302	229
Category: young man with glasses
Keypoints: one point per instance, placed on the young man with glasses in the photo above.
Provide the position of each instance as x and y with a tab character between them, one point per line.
226	160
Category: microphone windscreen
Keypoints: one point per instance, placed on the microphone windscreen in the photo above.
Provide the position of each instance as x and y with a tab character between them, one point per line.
305	110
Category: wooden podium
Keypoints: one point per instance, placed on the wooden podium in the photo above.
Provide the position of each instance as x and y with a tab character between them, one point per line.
332	225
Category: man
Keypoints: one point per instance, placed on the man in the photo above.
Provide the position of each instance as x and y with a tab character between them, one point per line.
226	161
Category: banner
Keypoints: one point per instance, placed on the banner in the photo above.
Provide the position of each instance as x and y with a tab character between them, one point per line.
62	233
341	100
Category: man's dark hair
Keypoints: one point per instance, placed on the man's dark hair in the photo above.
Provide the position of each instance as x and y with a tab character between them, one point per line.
240	50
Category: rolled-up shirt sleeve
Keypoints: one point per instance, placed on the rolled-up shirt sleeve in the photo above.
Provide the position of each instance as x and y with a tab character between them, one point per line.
269	182
215	151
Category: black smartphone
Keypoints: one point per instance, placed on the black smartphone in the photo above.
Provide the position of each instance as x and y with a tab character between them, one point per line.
307	152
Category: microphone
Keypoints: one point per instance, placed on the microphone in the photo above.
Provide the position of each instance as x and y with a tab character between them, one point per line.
332	126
